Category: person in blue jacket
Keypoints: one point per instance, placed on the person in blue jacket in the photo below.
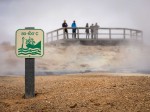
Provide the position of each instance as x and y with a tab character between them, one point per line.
74	26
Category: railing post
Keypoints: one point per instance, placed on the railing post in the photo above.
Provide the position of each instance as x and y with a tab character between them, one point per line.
141	34
130	33
51	36
47	37
78	32
97	34
57	34
136	34
109	33
124	33
63	33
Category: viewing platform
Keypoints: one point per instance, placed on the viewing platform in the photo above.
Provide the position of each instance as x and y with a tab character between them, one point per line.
104	35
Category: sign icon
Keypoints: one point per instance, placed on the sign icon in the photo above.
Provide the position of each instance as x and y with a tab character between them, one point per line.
29	43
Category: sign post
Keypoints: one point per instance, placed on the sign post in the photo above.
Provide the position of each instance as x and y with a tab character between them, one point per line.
29	45
29	77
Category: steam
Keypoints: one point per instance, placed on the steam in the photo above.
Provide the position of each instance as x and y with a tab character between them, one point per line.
130	58
9	63
133	58
75	57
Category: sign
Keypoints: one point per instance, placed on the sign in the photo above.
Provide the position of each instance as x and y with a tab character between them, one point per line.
29	43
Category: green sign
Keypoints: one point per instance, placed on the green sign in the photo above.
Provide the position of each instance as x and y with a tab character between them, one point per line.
29	43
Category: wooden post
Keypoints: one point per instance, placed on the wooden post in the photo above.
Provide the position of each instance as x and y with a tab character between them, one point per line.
52	36
29	75
78	32
136	34
47	38
141	34
64	33
130	33
97	34
109	33
124	33
57	34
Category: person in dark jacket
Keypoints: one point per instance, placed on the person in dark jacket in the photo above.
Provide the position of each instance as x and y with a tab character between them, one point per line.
74	26
87	31
65	25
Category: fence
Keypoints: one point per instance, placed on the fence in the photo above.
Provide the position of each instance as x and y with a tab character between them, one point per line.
103	33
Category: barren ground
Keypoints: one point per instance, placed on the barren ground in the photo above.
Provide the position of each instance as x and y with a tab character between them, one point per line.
92	92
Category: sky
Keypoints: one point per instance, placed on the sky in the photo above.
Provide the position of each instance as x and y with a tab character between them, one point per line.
50	14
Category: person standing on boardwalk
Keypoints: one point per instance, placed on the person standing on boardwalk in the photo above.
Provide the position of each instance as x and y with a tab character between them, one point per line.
92	30
65	25
87	31
96	27
74	26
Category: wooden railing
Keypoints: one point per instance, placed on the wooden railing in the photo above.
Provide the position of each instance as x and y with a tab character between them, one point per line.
103	33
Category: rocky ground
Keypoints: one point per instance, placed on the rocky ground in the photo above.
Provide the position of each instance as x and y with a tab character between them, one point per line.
92	92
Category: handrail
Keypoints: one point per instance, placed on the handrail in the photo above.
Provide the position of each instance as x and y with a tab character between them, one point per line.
132	32
113	28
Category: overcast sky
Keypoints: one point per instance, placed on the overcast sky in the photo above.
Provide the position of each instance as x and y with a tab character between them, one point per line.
49	14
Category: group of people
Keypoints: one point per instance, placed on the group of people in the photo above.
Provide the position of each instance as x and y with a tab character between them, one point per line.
93	28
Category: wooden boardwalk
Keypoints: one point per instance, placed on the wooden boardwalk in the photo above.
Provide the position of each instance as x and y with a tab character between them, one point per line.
103	33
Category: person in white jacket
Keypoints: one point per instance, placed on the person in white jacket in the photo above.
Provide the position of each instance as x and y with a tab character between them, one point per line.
96	27
92	30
